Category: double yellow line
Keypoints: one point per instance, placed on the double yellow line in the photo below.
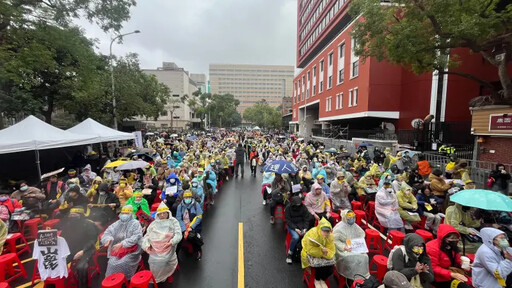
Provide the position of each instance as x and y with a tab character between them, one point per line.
241	279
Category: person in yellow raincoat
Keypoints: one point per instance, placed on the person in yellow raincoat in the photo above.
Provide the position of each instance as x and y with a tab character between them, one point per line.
123	191
365	182
318	242
94	188
407	205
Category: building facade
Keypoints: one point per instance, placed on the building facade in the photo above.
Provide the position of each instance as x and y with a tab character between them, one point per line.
337	90
252	83
177	115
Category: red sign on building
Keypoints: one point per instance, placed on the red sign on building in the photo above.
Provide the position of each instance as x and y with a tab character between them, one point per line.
500	122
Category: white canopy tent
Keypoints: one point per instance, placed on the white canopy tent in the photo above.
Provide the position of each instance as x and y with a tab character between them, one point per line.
89	127
35	134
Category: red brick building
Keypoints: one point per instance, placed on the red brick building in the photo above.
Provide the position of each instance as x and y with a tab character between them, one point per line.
337	89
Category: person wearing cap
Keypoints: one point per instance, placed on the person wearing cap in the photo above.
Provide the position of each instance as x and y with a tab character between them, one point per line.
395	279
160	242
349	264
318	242
138	202
493	260
414	264
444	254
104	205
340	190
469	184
122	239
386	208
190	215
298	220
320	179
74	198
407	204
438	184
123	191
71	174
318	204
81	236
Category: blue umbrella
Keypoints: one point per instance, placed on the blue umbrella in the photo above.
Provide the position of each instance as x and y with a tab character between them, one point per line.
331	150
483	199
365	144
281	167
191	138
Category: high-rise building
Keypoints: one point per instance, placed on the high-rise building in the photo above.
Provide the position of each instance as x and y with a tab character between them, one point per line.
252	83
177	115
336	89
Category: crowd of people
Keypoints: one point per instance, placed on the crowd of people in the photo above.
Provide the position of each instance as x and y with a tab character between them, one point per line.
158	208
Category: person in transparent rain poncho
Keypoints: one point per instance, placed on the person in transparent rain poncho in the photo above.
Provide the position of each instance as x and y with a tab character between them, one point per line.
351	265
122	239
160	242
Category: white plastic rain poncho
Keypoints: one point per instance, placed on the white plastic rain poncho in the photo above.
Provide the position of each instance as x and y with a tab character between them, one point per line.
162	258
128	233
349	263
386	208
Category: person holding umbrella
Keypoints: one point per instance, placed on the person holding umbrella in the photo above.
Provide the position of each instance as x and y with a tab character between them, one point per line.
280	192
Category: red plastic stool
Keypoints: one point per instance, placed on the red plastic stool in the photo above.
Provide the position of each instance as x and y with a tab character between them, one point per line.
381	262
7	263
341	280
309	278
360	215
427	236
50	224
141	279
288	241
356	205
396	239
11	241
279	213
370	210
4	285
336	217
373	241
32	226
115	280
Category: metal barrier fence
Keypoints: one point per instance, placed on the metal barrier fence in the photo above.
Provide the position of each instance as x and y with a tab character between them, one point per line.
479	170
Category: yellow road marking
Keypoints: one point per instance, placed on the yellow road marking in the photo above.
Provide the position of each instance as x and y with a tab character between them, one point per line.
38	284
241	279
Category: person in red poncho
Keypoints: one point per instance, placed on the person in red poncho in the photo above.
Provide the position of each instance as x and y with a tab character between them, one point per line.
445	257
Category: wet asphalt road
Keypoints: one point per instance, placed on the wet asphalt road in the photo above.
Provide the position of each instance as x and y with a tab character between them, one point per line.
240	200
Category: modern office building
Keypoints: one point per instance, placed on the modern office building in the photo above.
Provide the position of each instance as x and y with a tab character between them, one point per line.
200	80
177	115
336	89
252	83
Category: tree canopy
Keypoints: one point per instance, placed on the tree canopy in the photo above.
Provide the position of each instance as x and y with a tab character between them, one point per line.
222	110
420	33
263	115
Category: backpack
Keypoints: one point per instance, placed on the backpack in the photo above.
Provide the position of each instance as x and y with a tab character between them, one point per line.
390	257
5	214
371	282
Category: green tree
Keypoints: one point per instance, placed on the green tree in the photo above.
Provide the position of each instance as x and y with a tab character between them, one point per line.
420	33
45	68
263	115
222	110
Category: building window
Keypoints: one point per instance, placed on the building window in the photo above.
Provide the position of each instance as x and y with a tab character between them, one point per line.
314	72
314	89
321	85
175	95
341	76
328	104
329	82
163	113
330	59
356	96
307	93
350	94
309	73
339	101
321	66
355	68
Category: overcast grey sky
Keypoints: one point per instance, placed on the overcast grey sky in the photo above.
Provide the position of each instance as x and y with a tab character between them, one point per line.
195	33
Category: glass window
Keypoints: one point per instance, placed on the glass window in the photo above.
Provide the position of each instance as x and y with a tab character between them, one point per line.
355	68
341	50
341	76
329	82
330	59
356	96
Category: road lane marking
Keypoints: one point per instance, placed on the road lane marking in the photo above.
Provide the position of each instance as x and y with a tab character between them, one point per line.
241	255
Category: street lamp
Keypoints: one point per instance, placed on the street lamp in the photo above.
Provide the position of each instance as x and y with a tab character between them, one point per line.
112	74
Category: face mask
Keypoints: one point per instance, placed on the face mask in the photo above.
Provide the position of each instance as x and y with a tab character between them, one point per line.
194	185
72	185
125	217
137	202
187	201
390	190
3	198
351	221
122	185
24	188
451	244
407	192
417	250
172	181
503	244
103	192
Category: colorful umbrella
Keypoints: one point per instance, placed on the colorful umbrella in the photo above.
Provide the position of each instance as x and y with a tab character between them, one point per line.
133	165
115	163
331	150
281	167
483	199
